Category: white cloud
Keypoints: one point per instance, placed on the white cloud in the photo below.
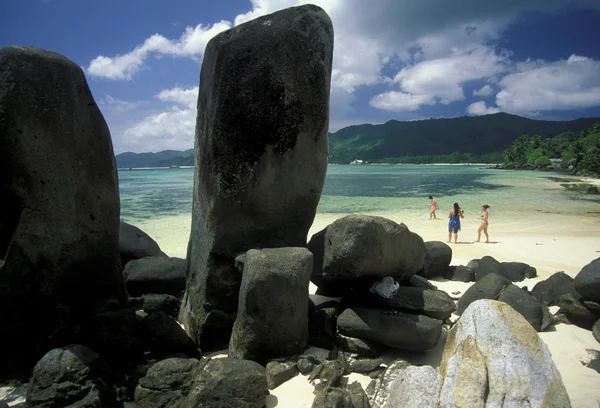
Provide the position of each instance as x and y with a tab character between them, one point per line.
191	44
400	101
484	91
479	108
117	104
561	85
187	97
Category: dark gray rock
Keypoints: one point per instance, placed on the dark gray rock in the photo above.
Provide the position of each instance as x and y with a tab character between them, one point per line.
473	264
332	397
488	265
168	304
433	303
306	364
417	281
364	365
327	374
488	287
228	382
69	376
167	383
261	151
549	291
548	319
322	327
518	271
155	274
59	240
163	336
357	346
587	281
596	330
528	306
592	307
394	329
279	372
272	318
461	273
571	306
364	249
357	395
136	244
438	256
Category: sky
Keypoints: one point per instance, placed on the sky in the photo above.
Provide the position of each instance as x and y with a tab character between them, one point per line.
393	59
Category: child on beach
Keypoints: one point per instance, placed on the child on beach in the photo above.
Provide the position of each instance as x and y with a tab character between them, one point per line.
484	224
454	223
433	206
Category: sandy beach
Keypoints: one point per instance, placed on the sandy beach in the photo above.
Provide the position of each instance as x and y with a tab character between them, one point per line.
544	228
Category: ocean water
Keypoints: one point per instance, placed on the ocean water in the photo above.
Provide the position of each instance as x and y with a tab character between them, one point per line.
152	194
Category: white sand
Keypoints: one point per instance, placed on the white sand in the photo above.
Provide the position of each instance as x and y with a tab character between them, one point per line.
549	240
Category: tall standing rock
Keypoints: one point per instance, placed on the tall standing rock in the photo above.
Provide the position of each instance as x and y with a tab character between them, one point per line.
59	200
261	154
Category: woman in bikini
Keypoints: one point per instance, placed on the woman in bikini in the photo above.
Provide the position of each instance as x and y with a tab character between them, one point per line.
484	224
454	223
433	206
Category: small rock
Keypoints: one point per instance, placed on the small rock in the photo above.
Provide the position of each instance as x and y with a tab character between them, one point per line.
364	365
280	372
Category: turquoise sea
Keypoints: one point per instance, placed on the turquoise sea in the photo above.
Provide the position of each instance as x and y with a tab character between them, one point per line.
150	194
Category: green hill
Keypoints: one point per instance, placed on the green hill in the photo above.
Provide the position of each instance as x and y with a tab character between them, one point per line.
473	136
477	135
165	158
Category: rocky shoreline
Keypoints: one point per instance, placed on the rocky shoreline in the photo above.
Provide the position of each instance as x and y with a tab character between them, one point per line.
95	314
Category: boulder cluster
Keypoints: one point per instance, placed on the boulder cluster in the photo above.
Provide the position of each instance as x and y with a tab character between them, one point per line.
94	314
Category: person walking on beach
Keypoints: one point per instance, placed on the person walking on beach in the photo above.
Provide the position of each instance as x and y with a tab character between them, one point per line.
484	224
454	215
433	206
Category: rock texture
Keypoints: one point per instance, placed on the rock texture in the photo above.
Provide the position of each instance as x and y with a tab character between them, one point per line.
488	287
136	244
415	387
261	154
549	291
433	303
394	329
363	249
68	376
155	274
162	335
438	256
493	357
587	281
59	245
272	318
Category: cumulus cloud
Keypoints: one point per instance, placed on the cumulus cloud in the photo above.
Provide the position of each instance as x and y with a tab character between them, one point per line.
190	44
187	97
480	108
484	91
400	101
561	85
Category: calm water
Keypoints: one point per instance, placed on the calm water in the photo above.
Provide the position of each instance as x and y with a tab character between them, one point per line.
154	193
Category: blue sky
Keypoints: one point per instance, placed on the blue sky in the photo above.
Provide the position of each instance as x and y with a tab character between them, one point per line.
393	59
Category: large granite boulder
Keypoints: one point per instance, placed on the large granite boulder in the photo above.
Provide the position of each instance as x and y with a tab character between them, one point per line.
167	383
378	390
488	287
493	357
163	336
433	303
549	291
228	382
394	329
521	301
261	154
518	271
59	235
587	281
69	376
136	244
361	249
272	318
155	274
438	256
415	387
